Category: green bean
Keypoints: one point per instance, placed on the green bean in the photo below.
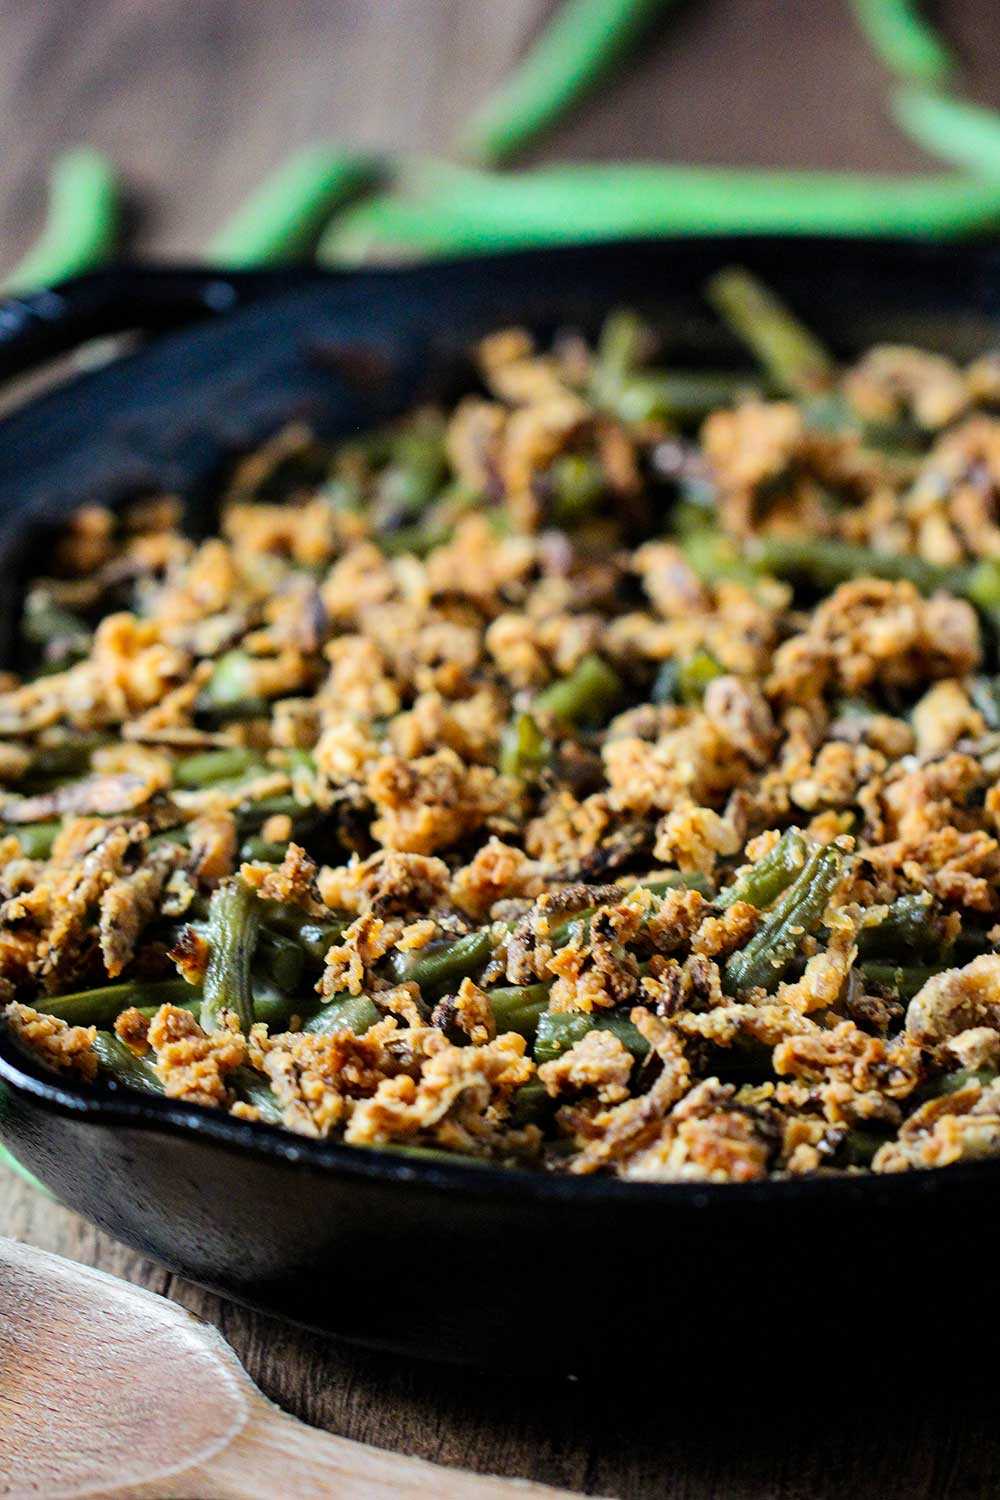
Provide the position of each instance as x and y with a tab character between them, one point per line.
620	348
36	839
584	40
579	923
524	749
685	680
530	1104
416	470
860	1146
71	758
764	880
963	133
466	213
234	924
586	696
355	1013
903	40
120	1065
262	851
904	979
101	1007
81	226
789	354
559	1030
763	961
275	1007
282	957
960	1078
518	1007
714	556
61	635
438	964
679	396
825	563
907	930
578	483
283	218
255	1088
230	682
315	936
211	766
251	816
985	695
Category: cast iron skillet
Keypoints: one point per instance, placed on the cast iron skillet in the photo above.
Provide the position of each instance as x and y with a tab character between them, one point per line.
452	1260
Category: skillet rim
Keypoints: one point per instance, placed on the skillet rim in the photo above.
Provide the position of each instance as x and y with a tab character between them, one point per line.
101	1106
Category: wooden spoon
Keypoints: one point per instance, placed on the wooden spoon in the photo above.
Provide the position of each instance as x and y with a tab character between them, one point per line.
110	1392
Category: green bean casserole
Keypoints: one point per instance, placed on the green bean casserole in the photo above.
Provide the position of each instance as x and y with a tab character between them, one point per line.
601	775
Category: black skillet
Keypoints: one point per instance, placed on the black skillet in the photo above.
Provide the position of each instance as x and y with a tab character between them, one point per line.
773	1282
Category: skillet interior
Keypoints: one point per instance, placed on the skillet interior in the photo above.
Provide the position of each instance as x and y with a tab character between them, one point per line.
453	1260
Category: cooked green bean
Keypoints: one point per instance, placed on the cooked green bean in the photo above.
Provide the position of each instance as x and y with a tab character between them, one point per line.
789	354
825	563
101	1007
439	963
82	223
284	216
582	42
518	1007
559	1030
762	962
684	680
254	1088
577	482
355	1013
909	929
234	924
36	839
118	1064
586	696
216	765
763	882
524	749
903	39
904	979
314	935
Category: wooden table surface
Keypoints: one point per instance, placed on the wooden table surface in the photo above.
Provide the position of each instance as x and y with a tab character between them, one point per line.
196	101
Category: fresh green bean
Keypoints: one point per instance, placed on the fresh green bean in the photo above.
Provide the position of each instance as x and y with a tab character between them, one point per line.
763	961
355	1013
482	212
585	39
559	1030
789	354
283	218
81	226
234	924
518	1007
524	749
586	696
963	133
763	882
211	766
120	1065
101	1007
903	40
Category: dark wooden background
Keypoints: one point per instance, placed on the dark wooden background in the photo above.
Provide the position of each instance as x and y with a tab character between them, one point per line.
196	99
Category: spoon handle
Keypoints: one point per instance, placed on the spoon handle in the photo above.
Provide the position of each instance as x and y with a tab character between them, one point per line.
276	1455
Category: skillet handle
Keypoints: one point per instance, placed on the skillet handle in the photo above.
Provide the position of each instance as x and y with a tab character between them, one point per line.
123	299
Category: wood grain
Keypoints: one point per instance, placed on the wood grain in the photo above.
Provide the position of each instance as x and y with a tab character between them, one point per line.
196	99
